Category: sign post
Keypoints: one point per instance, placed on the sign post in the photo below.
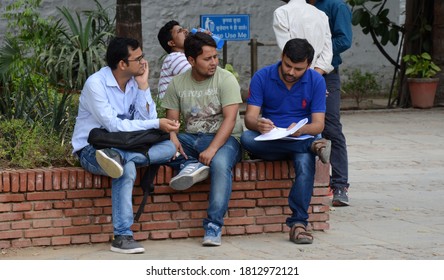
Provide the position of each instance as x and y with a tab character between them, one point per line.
228	27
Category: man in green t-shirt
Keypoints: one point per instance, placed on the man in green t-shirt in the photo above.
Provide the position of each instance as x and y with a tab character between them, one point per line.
208	98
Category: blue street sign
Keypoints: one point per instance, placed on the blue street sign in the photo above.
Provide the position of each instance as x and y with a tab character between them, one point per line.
227	27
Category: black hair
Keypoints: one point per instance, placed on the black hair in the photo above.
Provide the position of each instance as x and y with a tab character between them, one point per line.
298	50
118	50
194	43
164	35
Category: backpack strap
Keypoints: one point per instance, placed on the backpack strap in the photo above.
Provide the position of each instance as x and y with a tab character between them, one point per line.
147	184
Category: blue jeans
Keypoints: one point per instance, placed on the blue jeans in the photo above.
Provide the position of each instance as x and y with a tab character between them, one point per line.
304	165
333	132
221	168
122	188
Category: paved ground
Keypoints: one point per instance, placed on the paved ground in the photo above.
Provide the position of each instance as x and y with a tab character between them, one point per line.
396	160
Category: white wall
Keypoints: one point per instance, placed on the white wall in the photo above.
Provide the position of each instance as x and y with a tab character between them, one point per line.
363	54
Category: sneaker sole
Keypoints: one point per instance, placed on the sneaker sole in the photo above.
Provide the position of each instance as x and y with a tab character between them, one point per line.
340	203
128	251
112	168
208	243
186	181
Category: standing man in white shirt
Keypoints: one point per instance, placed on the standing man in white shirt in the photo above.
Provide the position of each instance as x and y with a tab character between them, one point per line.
172	37
297	19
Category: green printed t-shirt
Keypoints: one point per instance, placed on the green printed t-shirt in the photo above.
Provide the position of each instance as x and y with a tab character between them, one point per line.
201	103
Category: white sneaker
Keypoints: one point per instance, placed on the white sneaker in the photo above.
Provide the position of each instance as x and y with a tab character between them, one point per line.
190	175
110	161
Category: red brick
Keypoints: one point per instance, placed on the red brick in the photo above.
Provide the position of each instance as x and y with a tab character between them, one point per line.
197	232
278	184
12	234
15	182
21	225
260	170
198	214
190	224
63	204
64	222
321	208
88	180
38	206
7	226
164	207
161	216
84	194
6	182
273	228
269	170
17	207
272	201
180	215
318	217
235	230
253	171
157	235
246	203
41	223
161	198
237	195
237	173
82	212
41	241
160	225
5	217
21	243
76	230
100	238
61	240
320	226
102	220
321	191
277	219
43	214
31	233
5	207
273	211
54	195
80	179
237	213
39	180
194	205
141	235
285	170
255	212
5	244
84	203
179	234
12	198
322	174
80	239
245	171
251	229
180	197
80	221
30	186
239	221
277	170
100	202
1	182
64	180
272	193
244	186
320	200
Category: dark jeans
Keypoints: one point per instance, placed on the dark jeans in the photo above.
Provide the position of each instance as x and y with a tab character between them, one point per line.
333	132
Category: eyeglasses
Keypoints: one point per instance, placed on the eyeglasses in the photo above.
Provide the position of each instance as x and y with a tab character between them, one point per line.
139	59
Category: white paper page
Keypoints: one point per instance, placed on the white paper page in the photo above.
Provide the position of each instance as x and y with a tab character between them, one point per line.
280	132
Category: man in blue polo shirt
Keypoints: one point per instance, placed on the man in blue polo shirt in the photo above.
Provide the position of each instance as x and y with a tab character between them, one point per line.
286	93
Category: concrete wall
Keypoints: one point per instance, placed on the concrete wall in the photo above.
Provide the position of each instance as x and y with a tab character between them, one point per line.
363	54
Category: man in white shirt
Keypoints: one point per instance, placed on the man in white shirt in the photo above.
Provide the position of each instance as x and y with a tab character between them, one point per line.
172	37
297	19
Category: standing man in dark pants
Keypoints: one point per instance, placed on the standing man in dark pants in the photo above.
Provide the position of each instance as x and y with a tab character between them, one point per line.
339	18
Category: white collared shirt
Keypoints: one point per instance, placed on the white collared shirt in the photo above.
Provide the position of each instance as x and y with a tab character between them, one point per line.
297	19
103	104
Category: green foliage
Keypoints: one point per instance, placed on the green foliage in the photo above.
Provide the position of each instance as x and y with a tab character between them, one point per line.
229	67
360	85
81	49
420	66
374	20
22	145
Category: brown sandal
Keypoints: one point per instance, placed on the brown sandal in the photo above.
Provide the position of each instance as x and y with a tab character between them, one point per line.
301	237
322	148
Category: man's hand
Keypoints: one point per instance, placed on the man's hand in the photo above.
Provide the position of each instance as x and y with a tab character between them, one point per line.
207	155
264	125
142	79
168	125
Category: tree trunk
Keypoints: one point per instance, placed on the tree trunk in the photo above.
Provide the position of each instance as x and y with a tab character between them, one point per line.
128	19
438	46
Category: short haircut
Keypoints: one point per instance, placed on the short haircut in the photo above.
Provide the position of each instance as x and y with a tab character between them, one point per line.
298	50
118	50
195	42
164	35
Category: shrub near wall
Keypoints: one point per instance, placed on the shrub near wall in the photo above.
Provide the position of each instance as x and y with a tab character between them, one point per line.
62	206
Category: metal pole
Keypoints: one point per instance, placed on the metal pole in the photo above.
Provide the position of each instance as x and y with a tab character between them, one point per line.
253	57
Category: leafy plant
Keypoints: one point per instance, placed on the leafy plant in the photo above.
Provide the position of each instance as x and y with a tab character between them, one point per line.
420	66
360	85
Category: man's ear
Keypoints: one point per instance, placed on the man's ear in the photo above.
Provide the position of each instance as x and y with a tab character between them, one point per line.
171	43
191	61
